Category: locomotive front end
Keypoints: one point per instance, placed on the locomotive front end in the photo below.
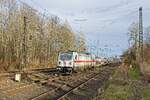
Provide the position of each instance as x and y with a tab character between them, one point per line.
65	62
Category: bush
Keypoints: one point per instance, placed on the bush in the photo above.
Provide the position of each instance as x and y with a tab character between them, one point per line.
134	73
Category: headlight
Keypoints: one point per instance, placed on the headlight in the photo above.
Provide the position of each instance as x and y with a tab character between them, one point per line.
70	63
58	68
59	63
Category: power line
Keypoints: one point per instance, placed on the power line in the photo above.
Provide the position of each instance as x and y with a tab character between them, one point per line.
112	21
111	8
44	9
39	13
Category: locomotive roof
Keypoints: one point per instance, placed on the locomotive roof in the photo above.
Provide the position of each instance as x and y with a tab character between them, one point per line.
77	52
84	53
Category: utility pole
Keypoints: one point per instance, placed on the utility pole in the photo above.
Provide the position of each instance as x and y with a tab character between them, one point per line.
141	56
24	50
24	47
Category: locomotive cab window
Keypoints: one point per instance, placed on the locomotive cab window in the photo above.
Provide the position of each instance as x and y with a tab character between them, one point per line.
76	57
66	56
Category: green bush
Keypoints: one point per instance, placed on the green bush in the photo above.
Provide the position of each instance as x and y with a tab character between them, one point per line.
134	73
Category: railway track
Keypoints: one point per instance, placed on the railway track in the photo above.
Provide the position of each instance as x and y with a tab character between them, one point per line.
22	90
50	70
10	89
25	91
66	87
88	89
83	88
76	86
11	73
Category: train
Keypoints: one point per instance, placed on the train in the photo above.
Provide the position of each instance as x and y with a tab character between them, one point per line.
72	61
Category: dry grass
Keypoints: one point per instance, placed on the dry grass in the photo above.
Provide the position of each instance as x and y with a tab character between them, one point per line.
13	66
118	88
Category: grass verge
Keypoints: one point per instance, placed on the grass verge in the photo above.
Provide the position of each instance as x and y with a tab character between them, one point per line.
145	93
115	92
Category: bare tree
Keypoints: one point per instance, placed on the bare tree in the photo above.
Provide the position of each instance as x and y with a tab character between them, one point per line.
147	35
44	38
133	34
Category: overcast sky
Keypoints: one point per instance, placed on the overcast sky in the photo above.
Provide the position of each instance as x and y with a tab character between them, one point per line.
104	22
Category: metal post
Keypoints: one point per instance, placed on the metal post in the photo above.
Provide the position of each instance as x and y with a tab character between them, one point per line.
141	56
24	53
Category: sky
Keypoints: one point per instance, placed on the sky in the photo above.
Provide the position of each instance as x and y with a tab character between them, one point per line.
104	23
